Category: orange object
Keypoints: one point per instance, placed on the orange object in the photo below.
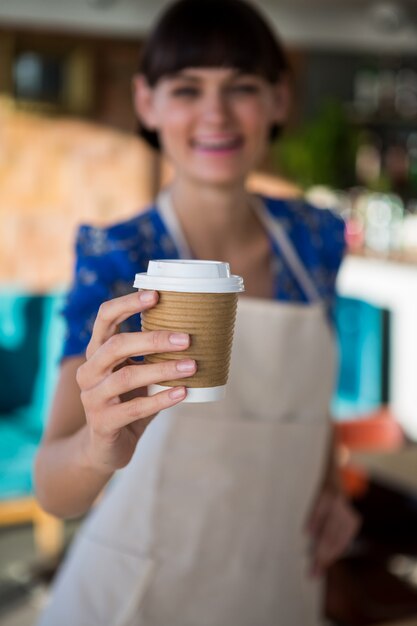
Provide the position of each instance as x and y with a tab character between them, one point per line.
375	431
354	481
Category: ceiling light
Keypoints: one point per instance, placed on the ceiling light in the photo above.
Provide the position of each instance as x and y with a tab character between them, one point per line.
388	17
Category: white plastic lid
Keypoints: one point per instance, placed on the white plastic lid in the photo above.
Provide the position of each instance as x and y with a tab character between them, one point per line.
189	276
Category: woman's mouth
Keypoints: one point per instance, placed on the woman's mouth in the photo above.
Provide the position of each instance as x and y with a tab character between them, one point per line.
217	145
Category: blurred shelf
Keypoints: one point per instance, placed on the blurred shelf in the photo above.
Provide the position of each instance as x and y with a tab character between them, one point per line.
380	119
383	121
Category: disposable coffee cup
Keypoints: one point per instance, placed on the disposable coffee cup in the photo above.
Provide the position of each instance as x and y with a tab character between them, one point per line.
198	298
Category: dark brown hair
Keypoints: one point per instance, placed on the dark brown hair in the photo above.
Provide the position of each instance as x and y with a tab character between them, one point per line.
211	33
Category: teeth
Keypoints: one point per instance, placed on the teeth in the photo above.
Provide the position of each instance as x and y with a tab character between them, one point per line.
217	146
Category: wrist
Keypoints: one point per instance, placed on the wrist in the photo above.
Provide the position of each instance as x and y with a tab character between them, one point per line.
88	457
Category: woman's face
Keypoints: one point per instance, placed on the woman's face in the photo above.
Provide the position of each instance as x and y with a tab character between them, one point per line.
213	124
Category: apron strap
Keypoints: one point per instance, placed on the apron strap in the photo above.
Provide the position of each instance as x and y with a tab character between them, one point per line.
172	224
288	250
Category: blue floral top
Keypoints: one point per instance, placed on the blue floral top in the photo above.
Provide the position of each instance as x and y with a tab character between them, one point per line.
107	260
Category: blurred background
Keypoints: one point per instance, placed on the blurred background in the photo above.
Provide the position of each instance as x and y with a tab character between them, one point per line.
68	154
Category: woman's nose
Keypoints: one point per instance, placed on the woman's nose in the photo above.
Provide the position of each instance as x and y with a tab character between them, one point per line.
215	107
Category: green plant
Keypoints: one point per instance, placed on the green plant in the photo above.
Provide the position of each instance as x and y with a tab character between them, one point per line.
321	151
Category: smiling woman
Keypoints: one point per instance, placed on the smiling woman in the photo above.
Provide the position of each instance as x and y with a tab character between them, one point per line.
212	35
219	511
213	123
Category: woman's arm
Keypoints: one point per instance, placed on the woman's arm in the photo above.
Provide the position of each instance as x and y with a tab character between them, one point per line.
101	407
331	477
66	482
332	523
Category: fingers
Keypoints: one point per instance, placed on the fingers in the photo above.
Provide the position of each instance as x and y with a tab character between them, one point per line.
113	418
114	312
329	546
319	513
124	345
335	535
133	377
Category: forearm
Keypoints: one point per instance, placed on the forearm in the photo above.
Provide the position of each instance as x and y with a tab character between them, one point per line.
66	484
331	477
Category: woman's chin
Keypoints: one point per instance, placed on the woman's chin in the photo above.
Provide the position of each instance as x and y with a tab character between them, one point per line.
220	177
221	183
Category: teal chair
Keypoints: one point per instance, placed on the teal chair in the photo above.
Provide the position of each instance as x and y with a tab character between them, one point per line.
361	335
31	337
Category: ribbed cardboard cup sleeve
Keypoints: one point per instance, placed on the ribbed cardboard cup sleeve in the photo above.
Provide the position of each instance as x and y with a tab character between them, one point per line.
209	318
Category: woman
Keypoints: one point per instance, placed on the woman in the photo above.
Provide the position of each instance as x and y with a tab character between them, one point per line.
224	513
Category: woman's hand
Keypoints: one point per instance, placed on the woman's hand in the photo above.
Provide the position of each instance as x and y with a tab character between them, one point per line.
114	388
332	524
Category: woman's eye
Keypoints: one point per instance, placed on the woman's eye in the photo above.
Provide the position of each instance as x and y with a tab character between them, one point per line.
184	92
245	88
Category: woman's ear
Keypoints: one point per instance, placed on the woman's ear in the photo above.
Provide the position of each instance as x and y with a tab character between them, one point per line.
143	100
282	101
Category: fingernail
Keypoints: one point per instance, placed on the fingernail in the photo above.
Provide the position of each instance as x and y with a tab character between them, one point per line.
179	339
147	296
185	366
177	392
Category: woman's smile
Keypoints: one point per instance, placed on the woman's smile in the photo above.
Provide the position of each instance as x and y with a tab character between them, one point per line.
217	145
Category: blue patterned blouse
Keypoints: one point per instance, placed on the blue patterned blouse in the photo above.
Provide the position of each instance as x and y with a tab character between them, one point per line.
107	260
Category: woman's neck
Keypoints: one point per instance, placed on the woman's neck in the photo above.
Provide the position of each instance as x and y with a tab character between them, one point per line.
215	220
220	224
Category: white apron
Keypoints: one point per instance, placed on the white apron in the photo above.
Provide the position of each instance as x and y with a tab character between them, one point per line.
205	527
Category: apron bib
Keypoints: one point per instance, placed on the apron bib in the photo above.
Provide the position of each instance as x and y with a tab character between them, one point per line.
205	527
